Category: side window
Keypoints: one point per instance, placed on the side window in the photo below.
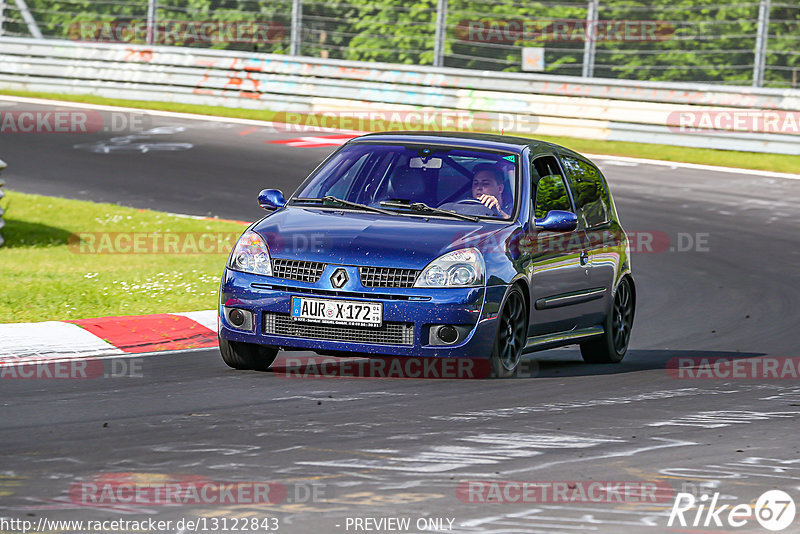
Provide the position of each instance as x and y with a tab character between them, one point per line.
590	191
551	192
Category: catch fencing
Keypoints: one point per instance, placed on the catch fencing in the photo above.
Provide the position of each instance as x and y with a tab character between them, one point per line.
691	115
738	42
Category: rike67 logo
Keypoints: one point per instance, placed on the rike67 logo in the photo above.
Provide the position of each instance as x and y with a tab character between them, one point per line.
774	510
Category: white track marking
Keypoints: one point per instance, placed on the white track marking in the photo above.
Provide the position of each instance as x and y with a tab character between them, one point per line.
207	318
722	418
50	339
626	453
560	406
697	166
488	449
251	122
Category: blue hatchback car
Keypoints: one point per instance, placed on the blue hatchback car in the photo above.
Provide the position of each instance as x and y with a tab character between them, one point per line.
443	245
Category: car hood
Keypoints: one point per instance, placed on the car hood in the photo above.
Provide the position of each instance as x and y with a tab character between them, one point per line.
363	238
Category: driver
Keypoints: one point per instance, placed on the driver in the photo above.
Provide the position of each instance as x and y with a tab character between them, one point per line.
487	187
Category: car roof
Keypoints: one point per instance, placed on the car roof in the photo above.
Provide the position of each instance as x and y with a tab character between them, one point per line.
467	139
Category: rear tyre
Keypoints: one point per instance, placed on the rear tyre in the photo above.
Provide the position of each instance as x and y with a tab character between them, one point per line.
613	345
247	356
512	330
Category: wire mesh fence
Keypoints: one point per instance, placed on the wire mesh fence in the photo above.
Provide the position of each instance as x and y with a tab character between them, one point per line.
736	42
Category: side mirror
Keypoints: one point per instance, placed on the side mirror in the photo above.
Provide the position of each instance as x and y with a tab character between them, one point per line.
271	199
557	221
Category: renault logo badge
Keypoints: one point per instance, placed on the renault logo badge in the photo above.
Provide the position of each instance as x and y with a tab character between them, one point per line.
339	278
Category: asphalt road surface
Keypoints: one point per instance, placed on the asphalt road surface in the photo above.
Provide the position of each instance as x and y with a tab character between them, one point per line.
347	454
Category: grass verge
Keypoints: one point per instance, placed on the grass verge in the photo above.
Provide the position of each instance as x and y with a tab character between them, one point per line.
72	259
724	158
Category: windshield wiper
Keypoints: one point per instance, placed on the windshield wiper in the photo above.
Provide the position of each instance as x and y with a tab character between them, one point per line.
334	200
422	207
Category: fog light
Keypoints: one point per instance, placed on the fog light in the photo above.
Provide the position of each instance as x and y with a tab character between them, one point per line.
239	319
236	317
447	334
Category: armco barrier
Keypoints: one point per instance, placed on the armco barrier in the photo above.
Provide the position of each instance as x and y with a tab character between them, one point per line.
562	106
2	194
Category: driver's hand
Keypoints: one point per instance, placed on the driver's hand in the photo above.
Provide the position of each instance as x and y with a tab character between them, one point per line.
489	201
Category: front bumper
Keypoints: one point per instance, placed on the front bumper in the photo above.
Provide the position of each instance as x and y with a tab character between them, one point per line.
418	308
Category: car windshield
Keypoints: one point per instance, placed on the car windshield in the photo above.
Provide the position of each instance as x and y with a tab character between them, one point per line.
411	178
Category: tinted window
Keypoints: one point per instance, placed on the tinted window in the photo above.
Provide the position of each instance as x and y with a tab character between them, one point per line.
551	194
545	166
590	191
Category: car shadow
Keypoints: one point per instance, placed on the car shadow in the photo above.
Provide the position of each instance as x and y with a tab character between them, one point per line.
557	363
566	363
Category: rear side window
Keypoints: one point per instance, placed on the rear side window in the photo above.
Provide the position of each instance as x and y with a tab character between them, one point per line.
589	189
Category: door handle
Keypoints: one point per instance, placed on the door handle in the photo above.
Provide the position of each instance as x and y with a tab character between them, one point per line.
584	258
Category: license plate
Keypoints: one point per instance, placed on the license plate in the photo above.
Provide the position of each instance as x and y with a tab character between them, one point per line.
346	312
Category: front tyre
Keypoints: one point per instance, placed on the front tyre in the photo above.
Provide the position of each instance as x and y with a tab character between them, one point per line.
247	356
511	336
612	346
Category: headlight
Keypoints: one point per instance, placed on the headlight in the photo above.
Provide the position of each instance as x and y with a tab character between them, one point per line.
251	255
460	268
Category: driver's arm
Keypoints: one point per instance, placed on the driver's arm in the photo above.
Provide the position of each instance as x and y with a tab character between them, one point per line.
491	202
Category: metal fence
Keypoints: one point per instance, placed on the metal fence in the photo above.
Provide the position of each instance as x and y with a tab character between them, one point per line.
694	115
736	42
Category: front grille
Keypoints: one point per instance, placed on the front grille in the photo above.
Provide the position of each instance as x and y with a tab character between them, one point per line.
280	324
302	271
387	277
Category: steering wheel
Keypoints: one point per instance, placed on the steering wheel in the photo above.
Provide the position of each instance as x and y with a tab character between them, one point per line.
476	202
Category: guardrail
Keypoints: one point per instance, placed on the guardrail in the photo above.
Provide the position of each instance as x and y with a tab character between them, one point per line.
2	194
593	108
